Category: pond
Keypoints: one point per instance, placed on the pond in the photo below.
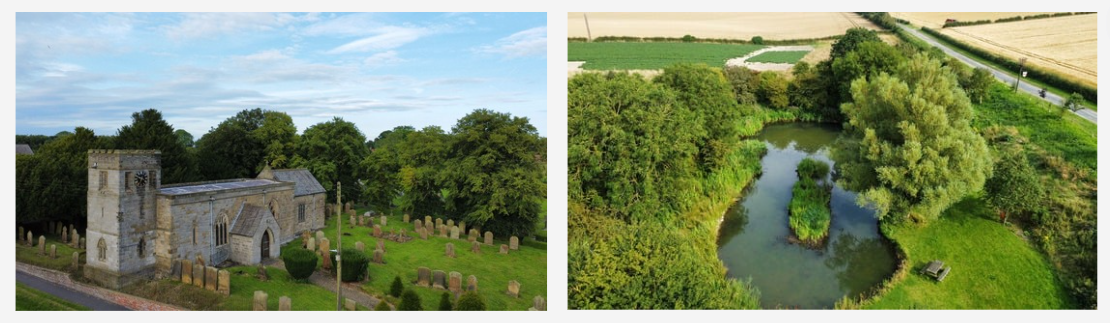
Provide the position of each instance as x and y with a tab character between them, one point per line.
753	239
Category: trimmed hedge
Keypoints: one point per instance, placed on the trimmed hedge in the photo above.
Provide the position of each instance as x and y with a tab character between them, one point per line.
300	263
355	264
471	301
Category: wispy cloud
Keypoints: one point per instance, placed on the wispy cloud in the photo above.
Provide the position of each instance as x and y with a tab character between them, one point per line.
524	43
203	25
385	38
383	59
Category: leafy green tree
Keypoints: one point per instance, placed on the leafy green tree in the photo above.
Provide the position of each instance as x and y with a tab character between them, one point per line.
471	301
33	141
1074	102
758	40
52	184
910	149
240	146
809	91
1015	187
866	59
978	84
332	151
773	90
445	302
704	91
278	137
149	131
800	68
184	138
493	173
410	301
745	83
852	38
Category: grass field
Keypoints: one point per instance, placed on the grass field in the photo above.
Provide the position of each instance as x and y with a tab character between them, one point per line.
1064	45
779	57
625	56
30	255
1074	139
992	267
731	25
30	299
493	270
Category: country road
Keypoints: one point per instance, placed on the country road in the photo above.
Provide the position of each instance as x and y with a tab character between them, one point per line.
1085	113
65	293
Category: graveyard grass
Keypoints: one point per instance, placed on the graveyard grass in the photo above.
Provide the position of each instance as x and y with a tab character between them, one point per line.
992	267
30	299
30	255
528	265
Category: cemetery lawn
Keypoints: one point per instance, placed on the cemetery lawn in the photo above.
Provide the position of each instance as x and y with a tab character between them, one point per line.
528	265
304	295
992	267
30	255
30	299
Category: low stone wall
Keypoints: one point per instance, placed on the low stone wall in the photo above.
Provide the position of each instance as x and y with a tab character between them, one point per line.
129	301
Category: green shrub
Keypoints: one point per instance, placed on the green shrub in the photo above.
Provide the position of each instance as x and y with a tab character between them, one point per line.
300	263
809	210
355	264
688	39
382	306
812	168
397	288
471	301
410	301
445	302
758	40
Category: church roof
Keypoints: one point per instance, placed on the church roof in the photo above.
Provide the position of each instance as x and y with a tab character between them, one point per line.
23	149
306	184
213	186
248	220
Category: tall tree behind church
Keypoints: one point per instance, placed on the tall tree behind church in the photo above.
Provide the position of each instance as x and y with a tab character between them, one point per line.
149	131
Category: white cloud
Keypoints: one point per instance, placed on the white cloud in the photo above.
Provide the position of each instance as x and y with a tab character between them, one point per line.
383	59
524	43
202	25
385	38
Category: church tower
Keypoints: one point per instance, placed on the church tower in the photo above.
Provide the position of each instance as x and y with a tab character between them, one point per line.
119	246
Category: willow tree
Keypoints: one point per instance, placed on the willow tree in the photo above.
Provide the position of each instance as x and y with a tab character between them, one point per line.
910	148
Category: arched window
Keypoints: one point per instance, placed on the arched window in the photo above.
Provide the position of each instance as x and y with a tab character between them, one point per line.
101	250
142	247
221	230
194	232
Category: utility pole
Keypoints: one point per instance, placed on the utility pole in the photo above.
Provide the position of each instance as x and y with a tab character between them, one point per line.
338	248
588	37
1021	73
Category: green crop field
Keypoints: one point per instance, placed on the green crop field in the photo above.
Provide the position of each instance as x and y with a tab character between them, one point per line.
625	56
779	57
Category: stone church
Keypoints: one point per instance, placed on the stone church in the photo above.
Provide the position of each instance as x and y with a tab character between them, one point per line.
137	227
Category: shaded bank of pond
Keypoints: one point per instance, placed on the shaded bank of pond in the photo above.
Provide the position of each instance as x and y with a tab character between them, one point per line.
753	239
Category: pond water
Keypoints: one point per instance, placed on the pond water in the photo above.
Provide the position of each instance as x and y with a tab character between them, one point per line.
753	243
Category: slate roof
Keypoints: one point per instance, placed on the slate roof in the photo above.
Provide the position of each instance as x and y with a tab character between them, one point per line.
306	184
23	149
248	219
216	186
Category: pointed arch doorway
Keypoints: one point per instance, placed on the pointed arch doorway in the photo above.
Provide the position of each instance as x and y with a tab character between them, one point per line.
265	245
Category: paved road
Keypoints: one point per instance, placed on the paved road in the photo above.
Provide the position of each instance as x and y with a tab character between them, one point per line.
66	293
1088	114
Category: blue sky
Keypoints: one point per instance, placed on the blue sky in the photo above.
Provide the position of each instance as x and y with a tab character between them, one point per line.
378	70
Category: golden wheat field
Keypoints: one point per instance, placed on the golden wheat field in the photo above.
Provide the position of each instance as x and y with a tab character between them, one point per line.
1066	45
936	19
742	25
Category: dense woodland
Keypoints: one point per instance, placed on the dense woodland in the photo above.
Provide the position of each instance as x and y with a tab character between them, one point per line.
489	170
653	164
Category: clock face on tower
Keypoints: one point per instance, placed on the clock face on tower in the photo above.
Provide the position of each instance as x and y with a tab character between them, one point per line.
140	179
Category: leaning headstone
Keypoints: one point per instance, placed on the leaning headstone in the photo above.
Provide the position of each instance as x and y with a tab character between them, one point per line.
417	224
472	283
454	232
311	244
53	251
514	289
198	275
454	283
260	299
538	304
475	247
381	245
489	238
350	305
423	233
439	279
186	272
382	220
405	219
225	282
423	276
285	304
361	247
377	231
76	259
379	256
450	223
504	249
473	236
450	250
443	231
65	237
42	245
514	243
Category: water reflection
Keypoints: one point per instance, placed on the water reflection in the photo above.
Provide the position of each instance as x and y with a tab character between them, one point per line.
733	224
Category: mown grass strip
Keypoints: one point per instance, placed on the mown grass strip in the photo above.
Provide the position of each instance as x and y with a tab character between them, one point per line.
625	56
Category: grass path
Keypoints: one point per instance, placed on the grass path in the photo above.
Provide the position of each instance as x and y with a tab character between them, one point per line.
30	299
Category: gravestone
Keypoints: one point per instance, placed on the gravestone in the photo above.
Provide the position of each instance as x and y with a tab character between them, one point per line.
325	256
417	225
361	221
349	304
210	277
423	276
325	245
311	244
198	275
538	304
186	272
405	219
65	237
462	227
454	232
439	222
475	247
473	236
439	279
430	227
450	250
472	283
381	245
454	283
42	245
76	259
82	246
75	236
379	256
489	238
260	299
423	233
514	243
514	289
450	223
504	249
377	231
225	282
443	231
53	251
285	304
383	221
351	220
319	236
304	238
427	219
30	238
360	246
